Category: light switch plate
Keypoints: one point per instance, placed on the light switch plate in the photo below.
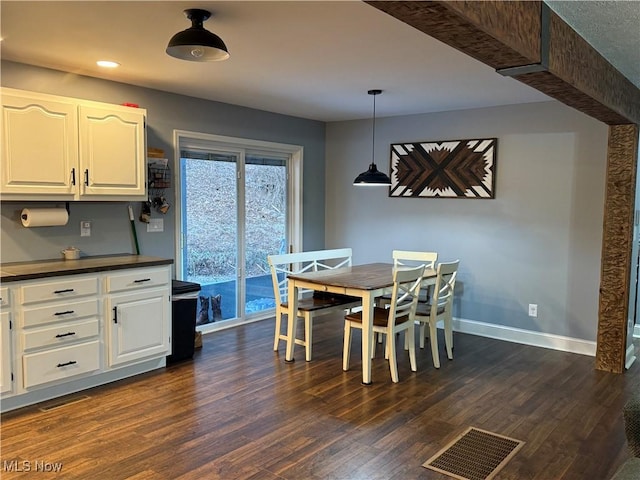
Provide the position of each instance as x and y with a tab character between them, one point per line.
155	225
85	228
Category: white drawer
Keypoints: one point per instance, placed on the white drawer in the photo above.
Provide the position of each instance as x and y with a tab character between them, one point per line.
132	280
4	297
60	363
63	289
60	334
60	312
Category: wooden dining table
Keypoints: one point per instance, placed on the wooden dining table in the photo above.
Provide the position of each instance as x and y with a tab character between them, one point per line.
366	281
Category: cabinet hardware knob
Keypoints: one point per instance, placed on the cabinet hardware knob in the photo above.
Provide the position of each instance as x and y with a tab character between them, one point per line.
72	362
64	291
60	335
142	280
64	313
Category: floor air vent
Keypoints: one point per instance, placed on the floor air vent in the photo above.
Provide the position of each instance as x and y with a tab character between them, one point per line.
474	455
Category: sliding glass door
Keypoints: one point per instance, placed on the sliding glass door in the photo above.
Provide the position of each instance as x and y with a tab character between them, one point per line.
235	204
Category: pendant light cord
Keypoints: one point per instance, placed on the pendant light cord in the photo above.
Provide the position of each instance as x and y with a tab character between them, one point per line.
373	146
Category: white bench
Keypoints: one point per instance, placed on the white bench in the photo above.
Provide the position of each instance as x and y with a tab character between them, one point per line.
309	306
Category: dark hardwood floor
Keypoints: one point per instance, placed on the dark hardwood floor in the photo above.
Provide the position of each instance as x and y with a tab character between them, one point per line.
238	411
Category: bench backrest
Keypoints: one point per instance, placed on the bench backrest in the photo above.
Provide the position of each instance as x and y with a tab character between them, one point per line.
287	263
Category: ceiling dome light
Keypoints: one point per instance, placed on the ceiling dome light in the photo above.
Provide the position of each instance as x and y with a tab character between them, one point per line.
197	44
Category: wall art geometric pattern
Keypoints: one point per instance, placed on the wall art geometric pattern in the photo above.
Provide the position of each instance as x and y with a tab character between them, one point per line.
444	169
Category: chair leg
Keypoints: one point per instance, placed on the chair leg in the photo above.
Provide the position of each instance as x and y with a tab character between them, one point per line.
433	333
391	351
346	350
448	337
276	340
308	336
422	333
410	335
405	342
373	345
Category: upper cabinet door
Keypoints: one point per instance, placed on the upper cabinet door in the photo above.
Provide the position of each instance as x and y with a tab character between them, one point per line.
39	146
112	151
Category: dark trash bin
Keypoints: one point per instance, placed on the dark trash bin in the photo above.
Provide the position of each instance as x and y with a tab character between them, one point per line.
184	302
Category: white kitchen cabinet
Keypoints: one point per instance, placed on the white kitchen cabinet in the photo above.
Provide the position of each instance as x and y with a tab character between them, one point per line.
6	376
64	337
59	329
39	145
139	326
112	151
138	314
6	352
59	148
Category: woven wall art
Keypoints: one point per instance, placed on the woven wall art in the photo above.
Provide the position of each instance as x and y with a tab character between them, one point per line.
444	169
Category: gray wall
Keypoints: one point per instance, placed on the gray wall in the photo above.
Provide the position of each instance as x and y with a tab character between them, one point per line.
111	231
538	242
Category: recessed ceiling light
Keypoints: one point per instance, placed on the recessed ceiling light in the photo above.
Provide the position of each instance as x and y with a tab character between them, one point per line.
107	64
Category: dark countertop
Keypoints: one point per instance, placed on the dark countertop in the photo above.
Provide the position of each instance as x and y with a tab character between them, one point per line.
16	271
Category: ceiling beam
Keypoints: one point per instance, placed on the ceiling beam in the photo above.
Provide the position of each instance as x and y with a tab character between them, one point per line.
528	41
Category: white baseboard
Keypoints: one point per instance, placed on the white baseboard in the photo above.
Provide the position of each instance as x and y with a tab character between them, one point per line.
526	337
630	357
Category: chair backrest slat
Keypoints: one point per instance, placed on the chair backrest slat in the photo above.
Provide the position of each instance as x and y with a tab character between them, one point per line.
406	289
409	258
285	264
445	283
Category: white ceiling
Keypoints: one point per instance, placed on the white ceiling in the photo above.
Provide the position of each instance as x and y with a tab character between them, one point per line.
304	58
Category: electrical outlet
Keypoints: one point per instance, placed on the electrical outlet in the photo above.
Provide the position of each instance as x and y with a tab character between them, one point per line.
533	310
85	228
155	225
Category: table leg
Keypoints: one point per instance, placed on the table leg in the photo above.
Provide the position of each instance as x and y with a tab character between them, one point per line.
367	336
292	320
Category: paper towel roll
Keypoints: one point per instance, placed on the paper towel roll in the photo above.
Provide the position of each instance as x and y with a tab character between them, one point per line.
44	217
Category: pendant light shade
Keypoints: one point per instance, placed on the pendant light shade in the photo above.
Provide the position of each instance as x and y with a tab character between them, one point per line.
373	176
196	43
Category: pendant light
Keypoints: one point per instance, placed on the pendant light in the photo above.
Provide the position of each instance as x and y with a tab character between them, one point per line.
196	43
373	177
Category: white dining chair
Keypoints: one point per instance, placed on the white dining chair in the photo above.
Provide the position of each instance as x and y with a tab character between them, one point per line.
407	259
399	317
439	307
309	307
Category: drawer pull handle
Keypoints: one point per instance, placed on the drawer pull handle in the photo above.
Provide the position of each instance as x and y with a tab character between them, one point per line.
86	177
142	280
115	314
60	335
72	362
73	176
64	291
65	313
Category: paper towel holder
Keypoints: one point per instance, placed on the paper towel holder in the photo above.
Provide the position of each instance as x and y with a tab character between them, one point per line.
66	206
